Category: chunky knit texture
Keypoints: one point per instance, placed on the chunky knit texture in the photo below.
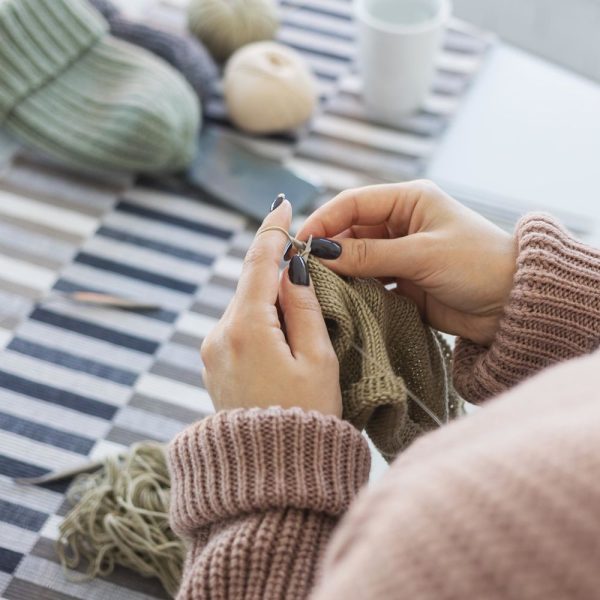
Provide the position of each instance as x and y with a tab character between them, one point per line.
384	349
502	505
553	313
69	89
267	486
183	52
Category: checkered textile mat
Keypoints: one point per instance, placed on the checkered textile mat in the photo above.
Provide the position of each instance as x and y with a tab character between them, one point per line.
78	382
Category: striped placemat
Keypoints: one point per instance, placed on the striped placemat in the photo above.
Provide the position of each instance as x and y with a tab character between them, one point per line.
78	382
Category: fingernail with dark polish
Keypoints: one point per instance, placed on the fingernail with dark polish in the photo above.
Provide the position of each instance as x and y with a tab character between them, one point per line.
287	251
324	248
277	202
298	271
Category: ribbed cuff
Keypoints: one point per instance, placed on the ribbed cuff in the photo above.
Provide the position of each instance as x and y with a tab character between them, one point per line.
40	39
246	461
553	313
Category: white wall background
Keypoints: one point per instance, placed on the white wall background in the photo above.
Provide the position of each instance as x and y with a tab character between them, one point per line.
564	31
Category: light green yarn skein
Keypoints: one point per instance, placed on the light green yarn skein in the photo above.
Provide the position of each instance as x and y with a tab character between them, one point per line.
226	25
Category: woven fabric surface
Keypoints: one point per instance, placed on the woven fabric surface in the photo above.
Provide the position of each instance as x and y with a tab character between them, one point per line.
385	353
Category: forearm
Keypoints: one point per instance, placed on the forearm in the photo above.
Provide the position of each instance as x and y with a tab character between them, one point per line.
553	313
257	493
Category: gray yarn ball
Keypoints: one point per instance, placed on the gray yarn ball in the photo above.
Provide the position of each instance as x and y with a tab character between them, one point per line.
184	53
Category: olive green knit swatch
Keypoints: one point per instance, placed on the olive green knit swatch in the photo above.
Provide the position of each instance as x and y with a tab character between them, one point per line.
72	91
387	357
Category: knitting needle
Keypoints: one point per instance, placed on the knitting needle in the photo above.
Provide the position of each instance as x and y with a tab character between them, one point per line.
100	299
88	467
412	396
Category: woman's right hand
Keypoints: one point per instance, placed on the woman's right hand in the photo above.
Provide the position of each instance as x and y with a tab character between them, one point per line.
457	266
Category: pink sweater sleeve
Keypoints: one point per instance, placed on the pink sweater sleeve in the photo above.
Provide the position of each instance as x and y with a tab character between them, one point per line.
553	313
501	505
257	493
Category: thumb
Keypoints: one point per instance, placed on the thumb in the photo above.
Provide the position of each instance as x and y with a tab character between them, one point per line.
304	323
366	257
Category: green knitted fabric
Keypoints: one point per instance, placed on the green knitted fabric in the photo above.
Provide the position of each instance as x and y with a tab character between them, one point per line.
384	349
70	90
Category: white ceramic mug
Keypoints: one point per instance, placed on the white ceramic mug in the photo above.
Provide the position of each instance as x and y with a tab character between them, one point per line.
398	42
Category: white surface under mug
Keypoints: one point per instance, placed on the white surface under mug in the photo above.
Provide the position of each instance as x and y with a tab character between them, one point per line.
398	42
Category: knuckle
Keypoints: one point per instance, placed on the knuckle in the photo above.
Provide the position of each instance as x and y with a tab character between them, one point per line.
426	185
324	354
305	302
235	336
206	348
255	255
360	254
347	193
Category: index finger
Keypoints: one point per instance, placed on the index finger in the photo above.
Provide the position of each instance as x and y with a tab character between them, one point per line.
259	281
371	205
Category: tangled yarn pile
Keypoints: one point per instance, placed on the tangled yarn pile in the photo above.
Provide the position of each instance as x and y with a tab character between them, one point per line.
120	517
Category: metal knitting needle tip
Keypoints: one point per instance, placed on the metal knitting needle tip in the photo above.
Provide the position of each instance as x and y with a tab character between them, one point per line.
410	394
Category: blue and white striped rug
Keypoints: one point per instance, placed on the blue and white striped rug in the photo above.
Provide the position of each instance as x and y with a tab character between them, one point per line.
78	381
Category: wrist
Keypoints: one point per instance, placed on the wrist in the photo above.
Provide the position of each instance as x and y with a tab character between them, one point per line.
552	314
505	278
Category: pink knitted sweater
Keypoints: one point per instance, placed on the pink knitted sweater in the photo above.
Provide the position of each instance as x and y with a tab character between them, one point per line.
502	504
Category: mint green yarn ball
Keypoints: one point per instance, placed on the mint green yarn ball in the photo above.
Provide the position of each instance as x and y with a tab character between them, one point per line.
226	25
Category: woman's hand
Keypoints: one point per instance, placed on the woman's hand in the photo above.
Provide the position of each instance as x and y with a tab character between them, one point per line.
248	359
456	265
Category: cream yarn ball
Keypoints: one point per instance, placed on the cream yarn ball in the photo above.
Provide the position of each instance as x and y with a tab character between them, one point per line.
226	25
268	88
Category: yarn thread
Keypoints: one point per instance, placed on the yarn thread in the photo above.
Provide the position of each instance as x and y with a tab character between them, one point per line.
303	248
120	517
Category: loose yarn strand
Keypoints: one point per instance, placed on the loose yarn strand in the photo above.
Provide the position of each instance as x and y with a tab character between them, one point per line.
303	248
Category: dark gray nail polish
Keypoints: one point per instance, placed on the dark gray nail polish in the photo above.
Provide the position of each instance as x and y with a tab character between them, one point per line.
298	271
277	202
324	248
288	250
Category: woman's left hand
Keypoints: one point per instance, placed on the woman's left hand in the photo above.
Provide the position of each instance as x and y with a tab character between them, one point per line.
248	359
